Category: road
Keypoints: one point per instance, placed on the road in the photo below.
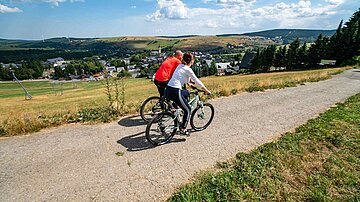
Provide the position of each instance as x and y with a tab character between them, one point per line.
114	162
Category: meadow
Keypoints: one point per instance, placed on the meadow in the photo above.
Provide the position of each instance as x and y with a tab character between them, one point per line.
49	102
317	162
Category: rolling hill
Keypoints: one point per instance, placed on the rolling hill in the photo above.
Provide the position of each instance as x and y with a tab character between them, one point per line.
74	48
289	35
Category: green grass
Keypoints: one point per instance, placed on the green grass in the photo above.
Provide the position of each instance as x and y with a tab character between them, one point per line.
320	161
13	89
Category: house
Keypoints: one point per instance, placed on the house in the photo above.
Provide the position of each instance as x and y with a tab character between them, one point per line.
98	77
111	69
119	69
145	65
12	65
53	61
327	62
126	60
218	60
221	67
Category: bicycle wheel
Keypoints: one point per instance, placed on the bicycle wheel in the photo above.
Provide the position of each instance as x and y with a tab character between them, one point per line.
201	117
151	107
161	129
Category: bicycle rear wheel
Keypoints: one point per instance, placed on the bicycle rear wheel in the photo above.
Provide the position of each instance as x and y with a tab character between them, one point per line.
201	117
161	129
151	107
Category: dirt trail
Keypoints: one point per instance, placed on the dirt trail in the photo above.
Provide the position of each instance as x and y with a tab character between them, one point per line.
79	162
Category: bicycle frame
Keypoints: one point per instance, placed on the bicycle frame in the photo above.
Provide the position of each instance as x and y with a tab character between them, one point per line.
194	102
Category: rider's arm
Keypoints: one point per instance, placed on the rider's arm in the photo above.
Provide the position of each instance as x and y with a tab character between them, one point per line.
194	78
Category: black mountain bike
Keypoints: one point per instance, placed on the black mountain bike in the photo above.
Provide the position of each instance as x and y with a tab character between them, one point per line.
153	106
162	128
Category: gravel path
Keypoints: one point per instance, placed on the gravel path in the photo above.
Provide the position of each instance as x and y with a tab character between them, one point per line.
79	162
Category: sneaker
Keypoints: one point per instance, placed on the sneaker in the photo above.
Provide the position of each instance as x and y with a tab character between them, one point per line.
185	132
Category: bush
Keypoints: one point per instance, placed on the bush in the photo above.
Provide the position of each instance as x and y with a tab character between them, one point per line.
254	86
124	73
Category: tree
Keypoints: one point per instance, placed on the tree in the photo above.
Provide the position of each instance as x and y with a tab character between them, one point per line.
268	58
255	61
238	57
205	71
302	57
317	51
344	44
292	54
212	69
279	58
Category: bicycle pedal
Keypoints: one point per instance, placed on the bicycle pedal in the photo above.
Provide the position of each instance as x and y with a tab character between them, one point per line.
184	133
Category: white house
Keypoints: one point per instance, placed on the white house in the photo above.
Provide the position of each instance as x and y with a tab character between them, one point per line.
111	69
221	67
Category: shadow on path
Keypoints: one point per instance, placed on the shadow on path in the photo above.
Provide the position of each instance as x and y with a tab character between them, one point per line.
138	142
132	121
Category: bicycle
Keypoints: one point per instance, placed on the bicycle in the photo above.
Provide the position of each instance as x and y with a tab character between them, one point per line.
162	128
153	106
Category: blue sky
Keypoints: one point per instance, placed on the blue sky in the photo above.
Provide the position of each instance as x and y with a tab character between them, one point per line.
37	19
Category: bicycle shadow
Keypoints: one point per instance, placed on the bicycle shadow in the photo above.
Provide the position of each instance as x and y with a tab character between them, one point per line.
132	121
138	142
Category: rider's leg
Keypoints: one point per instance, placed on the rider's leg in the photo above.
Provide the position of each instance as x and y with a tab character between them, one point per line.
179	97
161	85
184	105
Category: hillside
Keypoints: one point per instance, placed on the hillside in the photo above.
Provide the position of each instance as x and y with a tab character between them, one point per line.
76	48
289	35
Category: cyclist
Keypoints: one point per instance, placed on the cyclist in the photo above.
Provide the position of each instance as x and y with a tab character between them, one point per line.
182	75
166	70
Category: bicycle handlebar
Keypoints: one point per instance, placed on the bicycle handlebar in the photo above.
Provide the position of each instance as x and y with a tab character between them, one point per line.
197	89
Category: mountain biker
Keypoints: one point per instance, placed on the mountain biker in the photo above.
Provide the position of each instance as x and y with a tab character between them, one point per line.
182	75
166	70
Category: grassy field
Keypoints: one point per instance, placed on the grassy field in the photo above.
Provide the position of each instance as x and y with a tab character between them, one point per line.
77	96
320	161
190	43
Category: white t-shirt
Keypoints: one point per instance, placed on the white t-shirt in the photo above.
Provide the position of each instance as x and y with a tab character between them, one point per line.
182	75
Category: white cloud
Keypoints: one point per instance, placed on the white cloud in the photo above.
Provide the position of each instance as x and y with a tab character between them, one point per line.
53	2
5	9
170	9
133	7
234	3
335	2
235	16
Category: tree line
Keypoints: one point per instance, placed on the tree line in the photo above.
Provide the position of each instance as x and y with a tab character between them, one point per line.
89	66
202	69
343	46
28	70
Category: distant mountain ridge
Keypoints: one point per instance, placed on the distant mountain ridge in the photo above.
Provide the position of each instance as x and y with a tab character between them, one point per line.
288	35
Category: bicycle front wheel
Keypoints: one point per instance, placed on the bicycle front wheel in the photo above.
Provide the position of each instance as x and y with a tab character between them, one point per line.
161	129
151	107
202	116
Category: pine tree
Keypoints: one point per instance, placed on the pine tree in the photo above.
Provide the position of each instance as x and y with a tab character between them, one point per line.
255	61
279	57
213	69
292	54
302	57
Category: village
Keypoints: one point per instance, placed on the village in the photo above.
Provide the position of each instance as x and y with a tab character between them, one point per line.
136	66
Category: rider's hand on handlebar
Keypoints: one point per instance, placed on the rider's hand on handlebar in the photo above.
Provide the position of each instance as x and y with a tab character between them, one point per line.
192	86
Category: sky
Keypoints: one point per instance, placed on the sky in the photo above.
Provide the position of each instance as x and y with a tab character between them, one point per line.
38	19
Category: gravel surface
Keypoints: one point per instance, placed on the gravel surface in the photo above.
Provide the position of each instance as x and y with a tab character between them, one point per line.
79	162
